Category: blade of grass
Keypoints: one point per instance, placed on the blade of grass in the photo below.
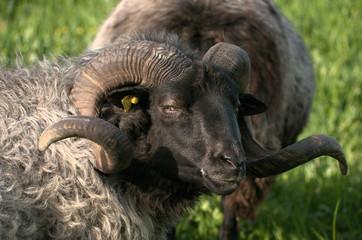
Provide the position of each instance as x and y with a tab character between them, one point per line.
335	219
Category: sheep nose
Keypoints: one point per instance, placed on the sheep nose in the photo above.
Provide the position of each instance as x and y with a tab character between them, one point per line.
238	163
232	158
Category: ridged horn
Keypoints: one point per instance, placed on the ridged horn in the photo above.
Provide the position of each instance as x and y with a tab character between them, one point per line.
263	163
142	63
126	63
113	145
297	154
234	60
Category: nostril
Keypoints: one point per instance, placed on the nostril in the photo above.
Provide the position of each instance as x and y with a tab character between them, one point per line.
232	164
232	160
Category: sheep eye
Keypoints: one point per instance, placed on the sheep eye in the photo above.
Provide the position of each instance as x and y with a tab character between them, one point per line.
168	109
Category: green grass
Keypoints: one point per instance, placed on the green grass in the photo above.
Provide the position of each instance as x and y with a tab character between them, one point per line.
311	202
40	27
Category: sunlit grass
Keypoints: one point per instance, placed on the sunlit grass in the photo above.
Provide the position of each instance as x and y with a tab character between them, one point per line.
311	202
40	27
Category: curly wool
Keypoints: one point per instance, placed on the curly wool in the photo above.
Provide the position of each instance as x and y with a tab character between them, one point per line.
58	194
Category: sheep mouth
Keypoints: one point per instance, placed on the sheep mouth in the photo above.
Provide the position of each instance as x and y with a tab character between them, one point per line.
222	184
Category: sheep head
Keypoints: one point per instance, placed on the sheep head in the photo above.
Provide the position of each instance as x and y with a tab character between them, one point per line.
198	108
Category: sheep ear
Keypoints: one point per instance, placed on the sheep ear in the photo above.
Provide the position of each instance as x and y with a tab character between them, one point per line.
251	105
125	98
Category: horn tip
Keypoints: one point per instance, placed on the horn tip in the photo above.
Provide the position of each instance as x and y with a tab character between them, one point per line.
42	146
343	166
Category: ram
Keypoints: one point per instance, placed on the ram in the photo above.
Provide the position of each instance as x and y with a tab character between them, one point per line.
144	111
281	70
156	123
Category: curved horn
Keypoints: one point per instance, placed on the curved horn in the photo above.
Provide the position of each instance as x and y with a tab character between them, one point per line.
263	163
115	150
297	154
142	63
232	58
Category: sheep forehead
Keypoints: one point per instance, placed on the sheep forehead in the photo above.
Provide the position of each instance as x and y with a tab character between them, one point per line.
186	94
204	80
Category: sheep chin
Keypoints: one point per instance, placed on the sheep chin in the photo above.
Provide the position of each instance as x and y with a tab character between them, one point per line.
222	185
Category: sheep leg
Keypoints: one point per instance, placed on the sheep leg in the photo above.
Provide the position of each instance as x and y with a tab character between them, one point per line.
229	228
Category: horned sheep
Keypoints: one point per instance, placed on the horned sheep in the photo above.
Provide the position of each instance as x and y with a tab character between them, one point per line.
144	112
281	70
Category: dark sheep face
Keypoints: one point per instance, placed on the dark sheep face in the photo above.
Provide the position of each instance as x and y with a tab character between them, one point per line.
194	134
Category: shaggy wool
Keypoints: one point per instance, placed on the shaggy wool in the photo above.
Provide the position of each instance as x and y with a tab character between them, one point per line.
57	193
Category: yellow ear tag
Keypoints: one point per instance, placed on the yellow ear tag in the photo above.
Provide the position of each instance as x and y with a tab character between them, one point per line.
127	102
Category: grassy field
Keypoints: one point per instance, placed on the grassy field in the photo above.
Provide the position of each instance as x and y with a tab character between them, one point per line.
311	202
